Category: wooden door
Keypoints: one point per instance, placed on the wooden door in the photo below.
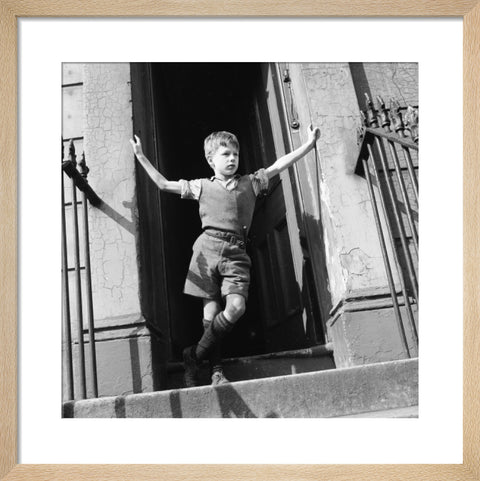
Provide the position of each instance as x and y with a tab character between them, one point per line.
281	305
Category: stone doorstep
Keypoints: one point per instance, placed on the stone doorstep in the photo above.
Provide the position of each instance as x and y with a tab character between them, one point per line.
263	368
332	393
317	358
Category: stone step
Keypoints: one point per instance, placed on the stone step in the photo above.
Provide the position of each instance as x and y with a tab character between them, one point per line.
330	393
316	358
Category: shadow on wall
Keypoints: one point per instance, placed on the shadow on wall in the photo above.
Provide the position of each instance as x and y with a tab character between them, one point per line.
360	82
316	278
128	225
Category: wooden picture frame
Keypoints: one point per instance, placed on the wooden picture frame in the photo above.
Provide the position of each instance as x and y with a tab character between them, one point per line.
10	11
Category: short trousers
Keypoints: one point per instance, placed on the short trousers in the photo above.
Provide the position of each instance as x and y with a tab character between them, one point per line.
217	268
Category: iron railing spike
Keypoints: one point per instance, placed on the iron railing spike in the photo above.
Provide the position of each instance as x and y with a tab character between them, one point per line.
368	101
396	116
372	120
394	104
71	151
82	166
384	116
411	122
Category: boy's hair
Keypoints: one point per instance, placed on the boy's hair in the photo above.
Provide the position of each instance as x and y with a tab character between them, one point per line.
219	139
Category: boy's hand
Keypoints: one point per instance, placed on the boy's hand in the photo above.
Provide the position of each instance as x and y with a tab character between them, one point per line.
136	146
313	134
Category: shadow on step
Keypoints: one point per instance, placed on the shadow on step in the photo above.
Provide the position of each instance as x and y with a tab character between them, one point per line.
230	403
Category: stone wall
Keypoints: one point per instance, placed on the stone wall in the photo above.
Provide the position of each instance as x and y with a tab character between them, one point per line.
388	80
114	227
339	198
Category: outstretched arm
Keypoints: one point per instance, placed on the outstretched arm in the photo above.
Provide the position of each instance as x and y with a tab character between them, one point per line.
162	183
287	160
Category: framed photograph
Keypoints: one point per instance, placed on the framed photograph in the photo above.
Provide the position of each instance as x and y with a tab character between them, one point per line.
333	311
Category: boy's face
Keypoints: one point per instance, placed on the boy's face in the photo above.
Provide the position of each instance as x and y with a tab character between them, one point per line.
225	161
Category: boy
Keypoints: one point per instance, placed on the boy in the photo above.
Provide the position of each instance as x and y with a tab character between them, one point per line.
219	271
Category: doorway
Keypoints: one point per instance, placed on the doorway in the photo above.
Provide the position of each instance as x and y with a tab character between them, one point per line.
188	102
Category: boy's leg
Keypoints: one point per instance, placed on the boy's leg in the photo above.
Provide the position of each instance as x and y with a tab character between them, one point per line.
221	325
210	309
234	271
215	360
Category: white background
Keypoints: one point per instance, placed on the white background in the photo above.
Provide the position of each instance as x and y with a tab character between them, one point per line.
436	437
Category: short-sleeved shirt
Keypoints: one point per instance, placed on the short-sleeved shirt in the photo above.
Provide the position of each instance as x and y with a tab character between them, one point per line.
191	189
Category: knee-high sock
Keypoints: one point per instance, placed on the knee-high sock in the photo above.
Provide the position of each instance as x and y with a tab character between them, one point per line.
215	357
218	328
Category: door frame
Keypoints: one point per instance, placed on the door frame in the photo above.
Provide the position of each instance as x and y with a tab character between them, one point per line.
308	276
154	298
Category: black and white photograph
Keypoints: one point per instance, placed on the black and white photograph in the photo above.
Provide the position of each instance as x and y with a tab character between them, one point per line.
240	240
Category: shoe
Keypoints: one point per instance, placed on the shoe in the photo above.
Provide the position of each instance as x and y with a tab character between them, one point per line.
218	378
191	367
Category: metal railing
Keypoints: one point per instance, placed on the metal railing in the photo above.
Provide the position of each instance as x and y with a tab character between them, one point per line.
77	172
388	146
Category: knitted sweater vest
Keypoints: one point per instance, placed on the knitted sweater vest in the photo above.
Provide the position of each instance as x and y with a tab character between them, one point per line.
227	210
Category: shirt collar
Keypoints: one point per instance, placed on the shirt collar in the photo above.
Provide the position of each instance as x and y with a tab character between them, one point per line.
235	177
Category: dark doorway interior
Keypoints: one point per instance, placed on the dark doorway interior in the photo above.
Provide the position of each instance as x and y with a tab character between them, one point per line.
190	102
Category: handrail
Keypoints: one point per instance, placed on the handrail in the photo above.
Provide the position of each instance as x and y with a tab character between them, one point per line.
69	167
393	137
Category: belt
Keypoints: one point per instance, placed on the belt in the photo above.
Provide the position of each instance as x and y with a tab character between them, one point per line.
227	237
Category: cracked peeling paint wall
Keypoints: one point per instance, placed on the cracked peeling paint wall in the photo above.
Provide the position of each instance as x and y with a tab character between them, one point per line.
114	226
393	80
326	96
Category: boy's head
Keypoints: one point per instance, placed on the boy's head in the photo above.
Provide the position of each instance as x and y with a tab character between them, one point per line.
219	139
221	152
